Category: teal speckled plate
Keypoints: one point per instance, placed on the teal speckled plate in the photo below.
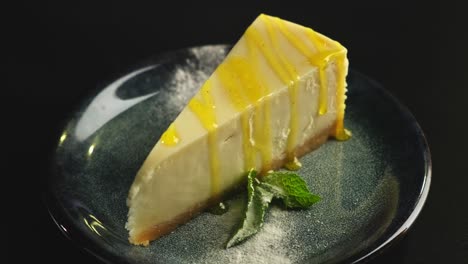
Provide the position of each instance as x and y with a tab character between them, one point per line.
372	186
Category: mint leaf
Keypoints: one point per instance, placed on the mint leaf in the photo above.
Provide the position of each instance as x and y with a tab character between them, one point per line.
257	203
287	186
291	188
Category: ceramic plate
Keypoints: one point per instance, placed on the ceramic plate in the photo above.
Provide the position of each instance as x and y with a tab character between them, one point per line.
372	186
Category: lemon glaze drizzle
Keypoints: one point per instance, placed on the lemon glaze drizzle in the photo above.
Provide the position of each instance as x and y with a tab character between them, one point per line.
315	59
293	95
262	136
288	76
253	90
170	137
204	109
283	70
320	59
244	88
340	132
228	77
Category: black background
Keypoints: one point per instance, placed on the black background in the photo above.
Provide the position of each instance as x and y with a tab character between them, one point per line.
58	54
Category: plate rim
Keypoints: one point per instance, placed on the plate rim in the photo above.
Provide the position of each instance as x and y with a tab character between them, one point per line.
425	187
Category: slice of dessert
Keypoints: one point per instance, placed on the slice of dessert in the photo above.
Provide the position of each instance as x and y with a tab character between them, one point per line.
279	93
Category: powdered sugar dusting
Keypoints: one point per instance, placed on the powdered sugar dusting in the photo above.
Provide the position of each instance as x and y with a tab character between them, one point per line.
184	82
187	79
270	245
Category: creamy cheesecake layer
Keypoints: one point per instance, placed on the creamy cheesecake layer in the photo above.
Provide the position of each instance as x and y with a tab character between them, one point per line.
278	92
163	228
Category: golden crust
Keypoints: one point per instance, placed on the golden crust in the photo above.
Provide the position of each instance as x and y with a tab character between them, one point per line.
162	229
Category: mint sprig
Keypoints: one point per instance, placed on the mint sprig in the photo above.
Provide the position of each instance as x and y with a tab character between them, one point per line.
257	204
286	186
290	188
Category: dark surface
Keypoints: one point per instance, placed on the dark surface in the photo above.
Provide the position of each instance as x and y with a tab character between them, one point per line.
56	55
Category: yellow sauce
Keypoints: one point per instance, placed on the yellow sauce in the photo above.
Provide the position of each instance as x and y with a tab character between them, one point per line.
293	165
293	93
340	132
262	117
239	79
170	137
253	38
204	109
320	59
245	86
228	74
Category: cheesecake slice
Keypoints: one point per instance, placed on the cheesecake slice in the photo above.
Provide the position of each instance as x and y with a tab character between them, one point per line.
279	93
